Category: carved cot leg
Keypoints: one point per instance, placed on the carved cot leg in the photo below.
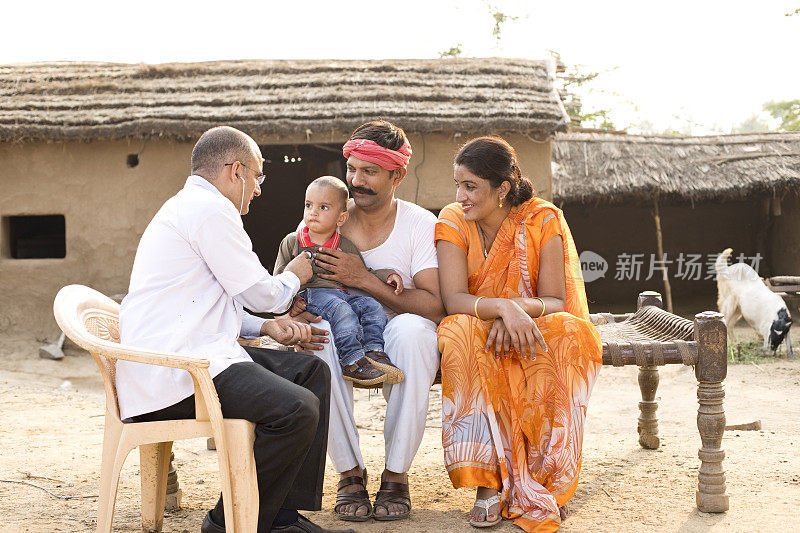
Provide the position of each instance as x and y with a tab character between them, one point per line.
648	422
712	366
648	384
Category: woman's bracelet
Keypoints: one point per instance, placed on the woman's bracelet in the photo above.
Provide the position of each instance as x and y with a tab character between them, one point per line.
543	306
478	299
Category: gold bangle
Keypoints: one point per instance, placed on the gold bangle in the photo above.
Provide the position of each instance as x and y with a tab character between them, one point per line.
478	299
543	306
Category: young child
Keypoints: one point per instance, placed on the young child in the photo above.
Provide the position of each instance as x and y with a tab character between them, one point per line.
356	321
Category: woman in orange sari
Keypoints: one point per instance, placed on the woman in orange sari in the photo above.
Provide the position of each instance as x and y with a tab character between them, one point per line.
519	355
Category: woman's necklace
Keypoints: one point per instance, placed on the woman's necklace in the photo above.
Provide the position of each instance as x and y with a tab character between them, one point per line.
483	240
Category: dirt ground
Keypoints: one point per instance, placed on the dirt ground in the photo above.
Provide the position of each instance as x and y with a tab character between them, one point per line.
51	428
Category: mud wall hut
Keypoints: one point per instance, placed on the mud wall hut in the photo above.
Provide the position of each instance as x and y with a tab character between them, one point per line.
89	151
710	193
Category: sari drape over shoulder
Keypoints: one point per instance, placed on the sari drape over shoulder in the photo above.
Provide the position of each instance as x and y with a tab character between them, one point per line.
531	412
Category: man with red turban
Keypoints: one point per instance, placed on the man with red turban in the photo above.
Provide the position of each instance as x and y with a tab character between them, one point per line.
396	234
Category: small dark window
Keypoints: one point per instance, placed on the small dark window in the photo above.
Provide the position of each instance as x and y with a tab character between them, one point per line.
36	236
132	160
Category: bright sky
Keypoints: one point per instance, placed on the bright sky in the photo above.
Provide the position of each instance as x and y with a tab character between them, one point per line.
689	65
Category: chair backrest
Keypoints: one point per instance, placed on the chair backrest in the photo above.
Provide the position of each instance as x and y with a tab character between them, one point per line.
91	320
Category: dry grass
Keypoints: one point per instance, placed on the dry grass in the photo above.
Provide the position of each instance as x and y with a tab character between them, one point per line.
181	100
609	169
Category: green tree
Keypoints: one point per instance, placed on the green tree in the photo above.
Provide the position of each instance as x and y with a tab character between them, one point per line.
454	51
787	111
576	80
752	124
500	18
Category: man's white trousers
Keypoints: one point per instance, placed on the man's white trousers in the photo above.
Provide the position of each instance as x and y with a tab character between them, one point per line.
410	341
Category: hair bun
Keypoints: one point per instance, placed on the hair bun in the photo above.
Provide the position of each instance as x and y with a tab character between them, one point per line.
524	189
493	159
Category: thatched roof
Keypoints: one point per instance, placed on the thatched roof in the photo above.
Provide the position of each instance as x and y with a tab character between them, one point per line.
181	100
605	169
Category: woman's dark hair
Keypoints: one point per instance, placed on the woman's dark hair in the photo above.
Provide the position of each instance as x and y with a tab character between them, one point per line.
382	133
493	159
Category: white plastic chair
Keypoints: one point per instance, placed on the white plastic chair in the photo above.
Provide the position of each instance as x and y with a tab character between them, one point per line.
91	320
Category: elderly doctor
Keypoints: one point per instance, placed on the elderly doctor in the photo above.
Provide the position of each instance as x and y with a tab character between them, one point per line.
194	271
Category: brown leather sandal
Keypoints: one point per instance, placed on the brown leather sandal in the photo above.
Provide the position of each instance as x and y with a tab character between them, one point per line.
359	497
392	492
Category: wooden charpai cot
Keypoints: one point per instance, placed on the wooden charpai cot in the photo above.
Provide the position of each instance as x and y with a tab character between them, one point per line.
652	337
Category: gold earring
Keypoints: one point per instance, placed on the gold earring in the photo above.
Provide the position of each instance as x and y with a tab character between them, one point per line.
501	202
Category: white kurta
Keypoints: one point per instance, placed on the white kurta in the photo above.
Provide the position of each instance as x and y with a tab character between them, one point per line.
194	268
409	340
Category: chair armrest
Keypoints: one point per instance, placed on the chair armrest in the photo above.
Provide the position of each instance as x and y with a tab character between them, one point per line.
207	406
150	357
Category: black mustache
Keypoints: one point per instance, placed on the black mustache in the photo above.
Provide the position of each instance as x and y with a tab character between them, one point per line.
361	190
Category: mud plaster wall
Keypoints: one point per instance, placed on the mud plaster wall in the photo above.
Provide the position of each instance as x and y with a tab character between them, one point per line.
107	206
706	228
431	166
785	241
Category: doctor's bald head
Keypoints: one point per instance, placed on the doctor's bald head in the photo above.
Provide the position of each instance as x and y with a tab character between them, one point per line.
222	145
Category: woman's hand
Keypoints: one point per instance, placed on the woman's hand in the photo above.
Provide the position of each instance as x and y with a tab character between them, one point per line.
499	339
522	329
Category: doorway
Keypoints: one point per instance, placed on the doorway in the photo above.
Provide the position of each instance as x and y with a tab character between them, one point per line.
289	169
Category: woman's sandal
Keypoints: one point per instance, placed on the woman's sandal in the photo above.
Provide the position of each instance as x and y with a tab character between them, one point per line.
564	512
359	497
393	492
485	504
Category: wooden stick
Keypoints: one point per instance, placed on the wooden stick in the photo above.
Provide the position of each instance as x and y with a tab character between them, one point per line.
609	495
750	426
660	245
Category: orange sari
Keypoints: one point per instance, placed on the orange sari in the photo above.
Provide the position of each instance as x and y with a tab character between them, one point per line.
532	412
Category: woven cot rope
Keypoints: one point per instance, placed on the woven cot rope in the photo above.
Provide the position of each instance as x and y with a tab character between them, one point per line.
644	334
638	353
604	318
686	353
616	354
658	354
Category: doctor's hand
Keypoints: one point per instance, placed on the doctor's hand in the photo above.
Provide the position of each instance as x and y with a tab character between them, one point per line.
347	269
301	267
290	332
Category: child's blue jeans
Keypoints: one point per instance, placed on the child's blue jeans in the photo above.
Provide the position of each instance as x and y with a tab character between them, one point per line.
357	321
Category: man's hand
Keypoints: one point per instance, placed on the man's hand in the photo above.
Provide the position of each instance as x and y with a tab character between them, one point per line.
397	281
301	267
289	332
347	269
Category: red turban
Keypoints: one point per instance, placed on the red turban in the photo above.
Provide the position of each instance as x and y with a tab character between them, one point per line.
372	152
